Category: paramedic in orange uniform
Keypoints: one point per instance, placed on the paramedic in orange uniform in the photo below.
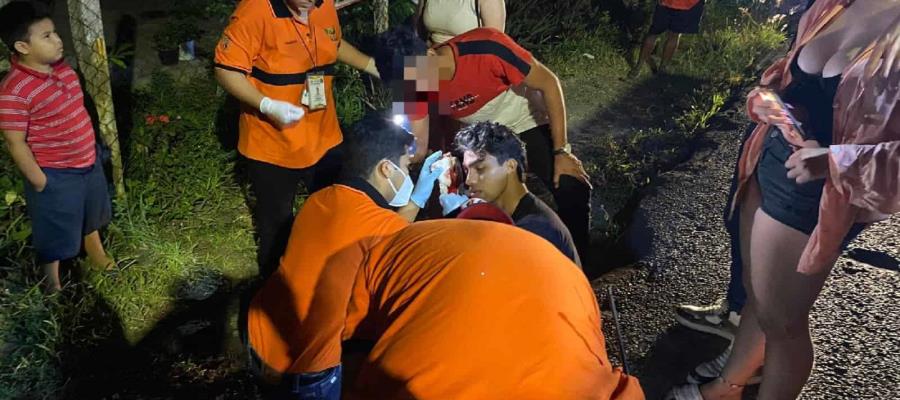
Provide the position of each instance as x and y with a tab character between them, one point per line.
462	309
290	323
277	57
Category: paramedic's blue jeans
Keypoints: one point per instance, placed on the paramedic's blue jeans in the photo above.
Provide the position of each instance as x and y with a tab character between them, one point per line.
322	385
325	385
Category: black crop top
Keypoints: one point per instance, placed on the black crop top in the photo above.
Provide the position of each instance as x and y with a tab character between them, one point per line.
812	97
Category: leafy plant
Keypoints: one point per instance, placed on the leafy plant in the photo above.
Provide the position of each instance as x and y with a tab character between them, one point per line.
118	55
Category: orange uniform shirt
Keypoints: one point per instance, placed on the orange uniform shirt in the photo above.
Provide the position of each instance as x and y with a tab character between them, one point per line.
463	309
264	41
293	324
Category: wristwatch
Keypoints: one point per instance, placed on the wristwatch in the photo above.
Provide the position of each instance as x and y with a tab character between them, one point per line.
566	149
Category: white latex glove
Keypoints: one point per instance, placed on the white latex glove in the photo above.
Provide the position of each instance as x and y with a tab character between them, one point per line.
282	112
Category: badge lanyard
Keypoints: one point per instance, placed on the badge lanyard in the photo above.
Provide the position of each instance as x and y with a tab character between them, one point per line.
313	96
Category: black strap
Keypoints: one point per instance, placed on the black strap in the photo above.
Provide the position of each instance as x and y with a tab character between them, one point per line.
229	68
478	13
289	79
491	47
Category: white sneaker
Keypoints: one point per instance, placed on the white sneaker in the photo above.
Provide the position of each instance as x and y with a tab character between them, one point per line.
710	370
715	319
684	392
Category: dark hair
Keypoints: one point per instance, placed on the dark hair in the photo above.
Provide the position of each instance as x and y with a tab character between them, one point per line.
390	49
491	138
374	138
16	19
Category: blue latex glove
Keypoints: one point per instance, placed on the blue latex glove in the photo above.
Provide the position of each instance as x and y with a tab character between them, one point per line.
427	178
452	201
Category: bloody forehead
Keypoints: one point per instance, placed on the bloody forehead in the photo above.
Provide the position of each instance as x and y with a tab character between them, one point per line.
480	157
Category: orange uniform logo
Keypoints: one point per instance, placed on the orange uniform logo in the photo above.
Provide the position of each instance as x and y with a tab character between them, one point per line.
332	33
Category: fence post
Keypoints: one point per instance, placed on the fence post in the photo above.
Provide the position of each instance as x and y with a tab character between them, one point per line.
90	47
380	9
4	61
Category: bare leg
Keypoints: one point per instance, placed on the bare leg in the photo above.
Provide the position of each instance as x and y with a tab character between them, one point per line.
669	49
780	301
646	50
51	277
749	343
96	254
785	298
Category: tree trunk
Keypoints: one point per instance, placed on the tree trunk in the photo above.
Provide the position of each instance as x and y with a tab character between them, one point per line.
4	54
90	47
381	8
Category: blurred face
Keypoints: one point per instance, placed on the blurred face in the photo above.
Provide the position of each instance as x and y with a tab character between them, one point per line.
424	71
486	178
43	45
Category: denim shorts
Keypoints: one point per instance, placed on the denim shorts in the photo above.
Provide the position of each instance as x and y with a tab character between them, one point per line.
783	199
74	203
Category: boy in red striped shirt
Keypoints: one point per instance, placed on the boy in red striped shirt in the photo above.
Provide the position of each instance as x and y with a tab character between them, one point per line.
50	137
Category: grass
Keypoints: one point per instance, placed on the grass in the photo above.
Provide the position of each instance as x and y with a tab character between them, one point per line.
186	218
627	130
187	221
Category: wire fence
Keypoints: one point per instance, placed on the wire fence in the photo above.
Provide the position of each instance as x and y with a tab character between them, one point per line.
86	21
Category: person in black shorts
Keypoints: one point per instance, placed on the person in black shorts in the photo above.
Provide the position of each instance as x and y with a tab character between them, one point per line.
672	16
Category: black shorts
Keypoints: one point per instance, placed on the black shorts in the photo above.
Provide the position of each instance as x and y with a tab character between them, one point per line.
74	202
677	21
786	201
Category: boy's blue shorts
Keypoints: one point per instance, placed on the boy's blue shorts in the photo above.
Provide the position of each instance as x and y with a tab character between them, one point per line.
74	202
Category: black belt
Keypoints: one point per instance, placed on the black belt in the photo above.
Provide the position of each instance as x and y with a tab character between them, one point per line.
289	79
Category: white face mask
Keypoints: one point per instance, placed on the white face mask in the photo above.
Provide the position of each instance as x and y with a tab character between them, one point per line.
402	195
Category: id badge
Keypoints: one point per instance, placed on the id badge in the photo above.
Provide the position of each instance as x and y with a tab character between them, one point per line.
304	97
315	91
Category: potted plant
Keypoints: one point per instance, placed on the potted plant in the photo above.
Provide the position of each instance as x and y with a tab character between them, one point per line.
175	36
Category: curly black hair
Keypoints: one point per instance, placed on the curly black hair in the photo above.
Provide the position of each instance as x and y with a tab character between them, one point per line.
392	47
374	138
491	138
16	18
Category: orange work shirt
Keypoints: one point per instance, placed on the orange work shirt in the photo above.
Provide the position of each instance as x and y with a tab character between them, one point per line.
463	309
275	51
293	324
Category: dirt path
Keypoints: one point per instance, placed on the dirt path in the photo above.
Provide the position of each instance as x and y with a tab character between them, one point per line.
685	259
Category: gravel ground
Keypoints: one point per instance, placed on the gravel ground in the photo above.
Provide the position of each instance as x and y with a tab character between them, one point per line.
683	248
